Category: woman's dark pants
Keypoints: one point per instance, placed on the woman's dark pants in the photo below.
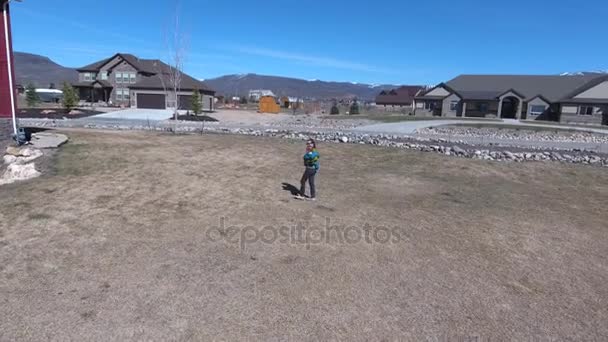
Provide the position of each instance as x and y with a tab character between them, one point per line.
309	175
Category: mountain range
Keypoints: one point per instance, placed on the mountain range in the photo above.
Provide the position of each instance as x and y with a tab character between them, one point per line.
42	71
239	85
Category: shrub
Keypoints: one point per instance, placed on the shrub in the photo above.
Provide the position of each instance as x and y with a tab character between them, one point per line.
70	97
31	96
354	108
197	107
334	110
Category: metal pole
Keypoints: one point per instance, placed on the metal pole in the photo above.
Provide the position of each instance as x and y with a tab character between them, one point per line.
9	60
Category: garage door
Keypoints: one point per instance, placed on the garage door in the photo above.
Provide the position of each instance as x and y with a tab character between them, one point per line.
151	101
185	102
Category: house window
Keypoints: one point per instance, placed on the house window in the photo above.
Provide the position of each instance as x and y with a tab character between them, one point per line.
132	77
537	109
122	94
93	76
104	75
87	76
454	106
119	77
585	110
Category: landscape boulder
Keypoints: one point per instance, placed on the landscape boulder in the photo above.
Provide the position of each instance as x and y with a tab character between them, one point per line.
459	151
48	140
13	151
19	172
24	156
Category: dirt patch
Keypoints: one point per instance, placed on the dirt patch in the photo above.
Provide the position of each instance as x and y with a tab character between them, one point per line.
132	236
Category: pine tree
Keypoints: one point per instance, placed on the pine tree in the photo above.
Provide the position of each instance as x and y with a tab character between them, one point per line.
334	109
70	98
354	108
197	107
31	96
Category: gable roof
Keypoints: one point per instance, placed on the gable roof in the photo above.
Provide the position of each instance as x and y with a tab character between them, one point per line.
154	82
141	65
401	96
94	66
153	67
587	86
553	88
424	96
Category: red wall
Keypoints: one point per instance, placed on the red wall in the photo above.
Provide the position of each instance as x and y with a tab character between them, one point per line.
5	100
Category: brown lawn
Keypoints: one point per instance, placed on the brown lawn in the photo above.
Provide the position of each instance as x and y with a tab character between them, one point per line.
118	242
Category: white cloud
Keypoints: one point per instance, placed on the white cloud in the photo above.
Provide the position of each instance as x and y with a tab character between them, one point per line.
96	33
310	59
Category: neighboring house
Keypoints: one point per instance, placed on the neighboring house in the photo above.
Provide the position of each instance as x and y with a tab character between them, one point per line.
125	80
256	95
400	97
291	102
576	99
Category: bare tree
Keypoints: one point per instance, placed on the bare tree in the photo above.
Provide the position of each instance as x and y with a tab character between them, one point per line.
171	75
297	105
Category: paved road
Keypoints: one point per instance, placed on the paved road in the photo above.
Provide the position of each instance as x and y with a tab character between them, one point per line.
404	129
411	127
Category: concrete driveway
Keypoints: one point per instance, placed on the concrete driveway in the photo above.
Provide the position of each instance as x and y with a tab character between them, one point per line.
137	114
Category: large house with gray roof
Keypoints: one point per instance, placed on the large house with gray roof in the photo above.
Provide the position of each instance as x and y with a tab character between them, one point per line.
569	99
125	80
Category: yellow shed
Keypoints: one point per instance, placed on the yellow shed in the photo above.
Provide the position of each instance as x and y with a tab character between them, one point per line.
269	105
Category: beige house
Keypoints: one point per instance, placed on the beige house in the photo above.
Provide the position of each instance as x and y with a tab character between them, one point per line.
575	99
125	80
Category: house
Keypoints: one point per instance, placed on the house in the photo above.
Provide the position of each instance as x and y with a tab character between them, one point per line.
569	99
256	95
126	80
400	97
291	102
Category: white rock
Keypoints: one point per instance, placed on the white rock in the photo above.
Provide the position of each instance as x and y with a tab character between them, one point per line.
344	139
9	159
19	172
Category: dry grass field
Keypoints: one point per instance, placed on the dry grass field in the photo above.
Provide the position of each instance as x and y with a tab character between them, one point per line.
122	239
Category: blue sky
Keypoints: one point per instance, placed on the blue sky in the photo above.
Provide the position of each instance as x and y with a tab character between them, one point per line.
389	41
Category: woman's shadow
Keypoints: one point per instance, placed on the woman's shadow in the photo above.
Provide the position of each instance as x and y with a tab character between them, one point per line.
291	188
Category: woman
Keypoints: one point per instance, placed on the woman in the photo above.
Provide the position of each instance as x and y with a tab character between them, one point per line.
311	164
